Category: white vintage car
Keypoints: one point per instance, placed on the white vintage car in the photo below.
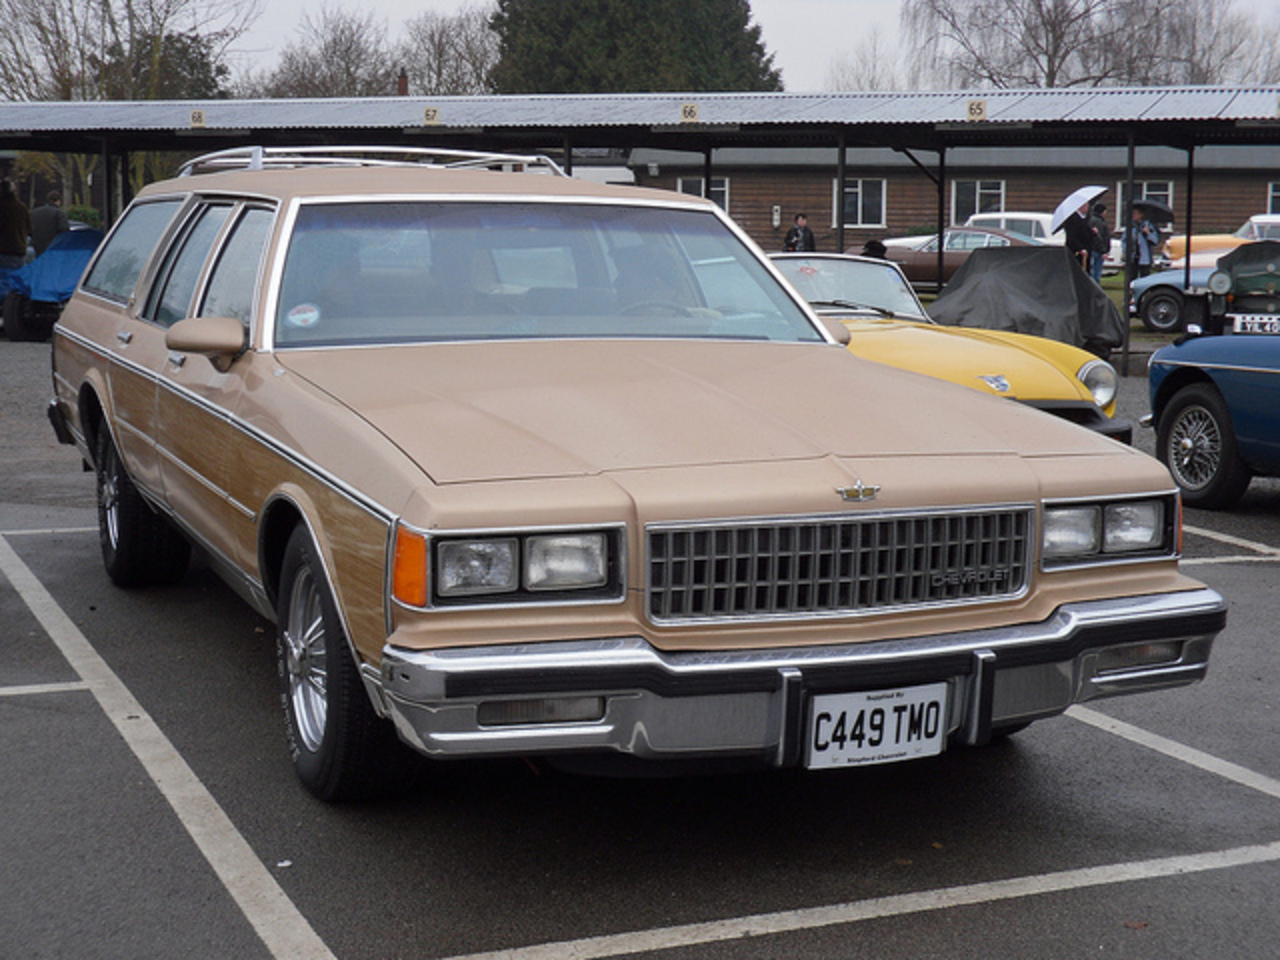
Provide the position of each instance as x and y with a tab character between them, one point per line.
528	466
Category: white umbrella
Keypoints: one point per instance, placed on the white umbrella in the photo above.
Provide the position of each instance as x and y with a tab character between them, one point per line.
1072	204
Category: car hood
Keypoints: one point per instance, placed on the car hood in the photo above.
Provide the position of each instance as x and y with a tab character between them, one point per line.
1010	365
539	409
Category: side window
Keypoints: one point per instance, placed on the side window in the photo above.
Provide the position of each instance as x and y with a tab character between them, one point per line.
116	270
176	285
235	276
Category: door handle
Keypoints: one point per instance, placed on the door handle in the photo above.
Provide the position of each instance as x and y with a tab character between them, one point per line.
177	359
124	337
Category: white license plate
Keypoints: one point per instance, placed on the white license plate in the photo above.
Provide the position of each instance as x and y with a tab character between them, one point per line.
1255	323
878	726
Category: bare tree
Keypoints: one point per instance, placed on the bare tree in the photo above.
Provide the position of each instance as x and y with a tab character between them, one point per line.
450	55
63	49
1066	43
338	54
872	65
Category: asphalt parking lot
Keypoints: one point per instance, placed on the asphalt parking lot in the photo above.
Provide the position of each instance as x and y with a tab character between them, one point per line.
148	810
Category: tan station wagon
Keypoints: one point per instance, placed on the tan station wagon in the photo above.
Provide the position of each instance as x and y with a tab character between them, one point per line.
527	466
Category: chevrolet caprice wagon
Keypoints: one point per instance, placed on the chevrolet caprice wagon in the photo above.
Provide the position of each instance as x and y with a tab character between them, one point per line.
522	465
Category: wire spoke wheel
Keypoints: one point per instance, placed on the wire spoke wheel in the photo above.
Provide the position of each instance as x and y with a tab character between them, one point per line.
1195	448
306	651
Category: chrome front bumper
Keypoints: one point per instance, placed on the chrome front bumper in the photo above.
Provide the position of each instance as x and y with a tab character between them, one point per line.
743	703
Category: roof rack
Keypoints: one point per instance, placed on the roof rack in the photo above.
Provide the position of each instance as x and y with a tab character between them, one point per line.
267	158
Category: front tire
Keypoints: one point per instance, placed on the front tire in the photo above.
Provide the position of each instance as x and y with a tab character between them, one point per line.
341	749
1163	311
139	547
1197	442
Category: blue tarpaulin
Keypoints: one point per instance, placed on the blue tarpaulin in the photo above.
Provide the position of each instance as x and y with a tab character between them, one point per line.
52	276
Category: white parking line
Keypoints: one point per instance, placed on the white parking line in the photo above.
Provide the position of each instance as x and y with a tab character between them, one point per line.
283	929
1262	548
1178	751
791	921
33	689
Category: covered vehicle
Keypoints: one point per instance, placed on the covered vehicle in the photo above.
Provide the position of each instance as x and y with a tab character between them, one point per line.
888	324
38	290
1215	399
522	465
1040	291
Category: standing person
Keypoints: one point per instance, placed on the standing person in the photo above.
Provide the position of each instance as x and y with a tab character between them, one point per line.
1078	238
1140	241
800	237
1101	240
15	227
47	221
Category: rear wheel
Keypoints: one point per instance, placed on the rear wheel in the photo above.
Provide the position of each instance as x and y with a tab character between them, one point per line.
17	326
1162	311
341	749
1197	442
139	547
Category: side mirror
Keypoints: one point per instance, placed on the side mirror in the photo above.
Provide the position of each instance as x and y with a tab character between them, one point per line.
221	339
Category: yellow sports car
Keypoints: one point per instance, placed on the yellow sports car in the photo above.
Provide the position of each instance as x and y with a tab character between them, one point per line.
888	324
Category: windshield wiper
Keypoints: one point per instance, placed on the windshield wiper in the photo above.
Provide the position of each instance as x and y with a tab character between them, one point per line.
850	305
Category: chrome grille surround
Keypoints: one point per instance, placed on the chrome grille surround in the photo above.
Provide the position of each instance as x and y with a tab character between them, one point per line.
840	565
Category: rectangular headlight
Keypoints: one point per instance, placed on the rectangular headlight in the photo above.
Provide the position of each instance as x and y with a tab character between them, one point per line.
1133	526
1072	531
1105	532
468	568
566	562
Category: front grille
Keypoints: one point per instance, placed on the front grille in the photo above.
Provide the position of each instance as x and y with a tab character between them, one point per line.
825	565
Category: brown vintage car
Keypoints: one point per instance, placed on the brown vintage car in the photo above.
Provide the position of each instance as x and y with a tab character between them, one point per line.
918	256
523	465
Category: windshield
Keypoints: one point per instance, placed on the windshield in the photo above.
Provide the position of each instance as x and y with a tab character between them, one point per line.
390	272
842	282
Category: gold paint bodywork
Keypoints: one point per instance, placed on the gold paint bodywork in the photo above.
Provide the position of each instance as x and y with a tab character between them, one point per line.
499	435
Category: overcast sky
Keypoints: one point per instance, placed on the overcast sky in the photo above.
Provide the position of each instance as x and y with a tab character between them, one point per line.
803	35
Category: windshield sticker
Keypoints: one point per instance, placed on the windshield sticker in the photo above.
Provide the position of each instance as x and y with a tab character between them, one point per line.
302	316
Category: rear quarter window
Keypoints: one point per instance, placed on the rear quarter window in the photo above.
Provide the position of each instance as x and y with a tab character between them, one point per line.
116	270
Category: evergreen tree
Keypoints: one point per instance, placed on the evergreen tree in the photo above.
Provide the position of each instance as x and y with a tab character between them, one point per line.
623	46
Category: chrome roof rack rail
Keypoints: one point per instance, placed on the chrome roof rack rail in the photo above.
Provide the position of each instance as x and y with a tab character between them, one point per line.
268	158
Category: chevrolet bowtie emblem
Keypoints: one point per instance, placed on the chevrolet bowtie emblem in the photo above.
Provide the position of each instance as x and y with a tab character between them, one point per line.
859	492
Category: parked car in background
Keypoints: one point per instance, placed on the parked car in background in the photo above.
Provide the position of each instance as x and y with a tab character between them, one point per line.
1037	226
1168	299
523	465
1262	226
888	324
1215	399
918	256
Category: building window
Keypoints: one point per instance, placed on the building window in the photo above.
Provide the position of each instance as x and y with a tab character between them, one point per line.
1273	197
1161	190
975	196
719	189
863	203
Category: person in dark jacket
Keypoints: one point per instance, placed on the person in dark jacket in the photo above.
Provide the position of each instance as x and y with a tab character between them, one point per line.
15	227
800	237
1100	240
47	221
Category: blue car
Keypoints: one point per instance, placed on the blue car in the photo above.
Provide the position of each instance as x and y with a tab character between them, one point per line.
34	294
1215	400
1165	302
